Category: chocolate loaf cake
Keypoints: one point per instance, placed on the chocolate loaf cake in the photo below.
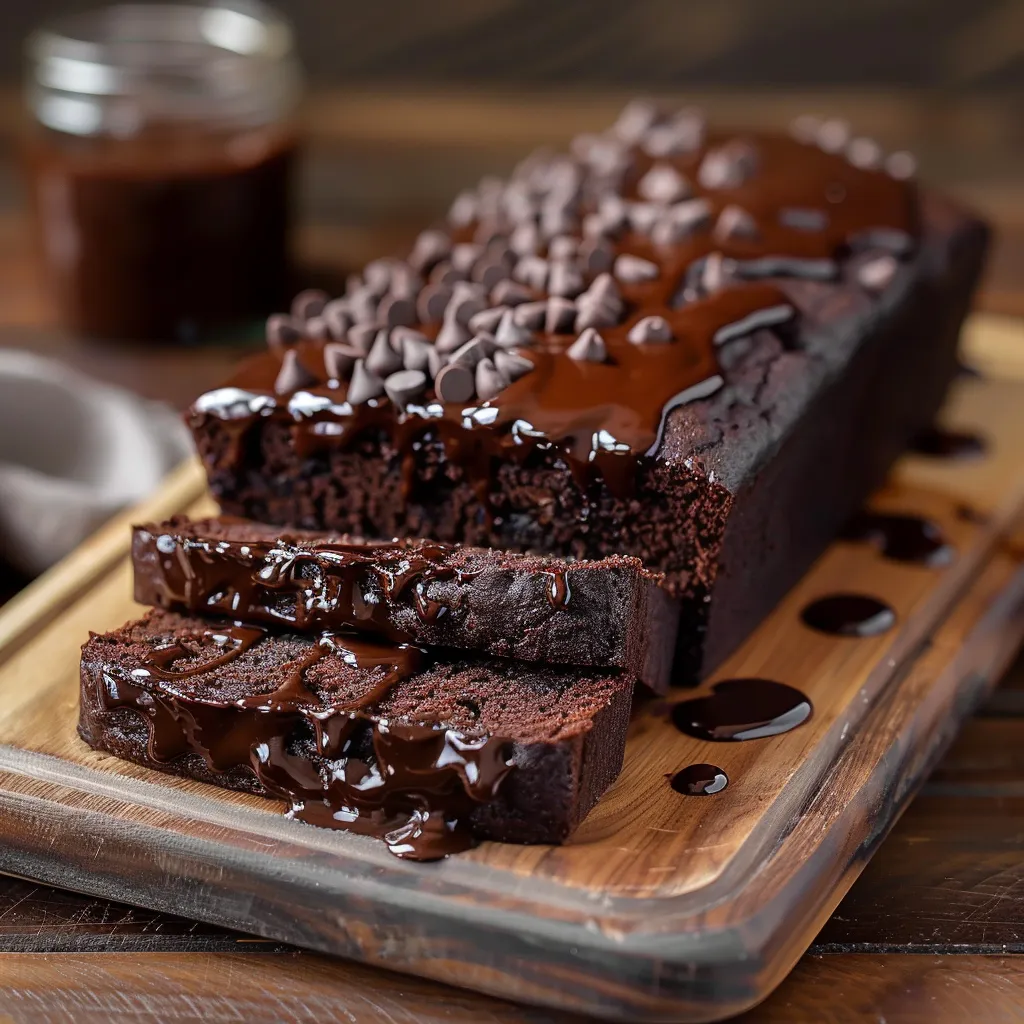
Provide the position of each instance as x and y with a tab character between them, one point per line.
370	737
608	613
697	348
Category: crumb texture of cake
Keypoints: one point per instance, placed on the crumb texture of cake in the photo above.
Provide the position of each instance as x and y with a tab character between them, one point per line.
610	612
427	753
701	349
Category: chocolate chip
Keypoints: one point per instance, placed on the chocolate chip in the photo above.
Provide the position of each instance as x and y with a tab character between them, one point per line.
451	336
633	269
803	218
532	271
430	248
735	222
362	305
339	359
681	221
283	330
637	117
309	303
401	333
382	358
613	208
560	315
650	330
716	271
901	165
833	135
364	384
377	276
589	347
396	312
463	210
510	293
865	153
405	282
509	334
445	274
643	217
512	364
435	360
728	166
454	384
596	226
464	255
565	280
556	218
603	291
337	317
594	315
487	320
562	247
490	381
293	375
480	347
876	274
489	272
467	300
432	302
596	255
526	239
416	353
317	328
361	336
663	184
405	385
530	315
684	133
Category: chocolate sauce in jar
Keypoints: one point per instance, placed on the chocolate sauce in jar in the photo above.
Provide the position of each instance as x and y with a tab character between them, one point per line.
940	443
903	538
857	615
743	709
158	166
699	780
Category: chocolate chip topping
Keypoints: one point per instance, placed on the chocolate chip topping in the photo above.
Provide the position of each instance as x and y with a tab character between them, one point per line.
339	360
382	358
338	318
454	384
405	386
364	384
490	381
729	166
432	302
283	330
362	336
633	269
651	329
734	222
876	274
509	334
512	364
293	375
663	184
589	347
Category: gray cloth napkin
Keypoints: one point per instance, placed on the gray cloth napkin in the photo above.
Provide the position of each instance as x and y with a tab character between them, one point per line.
73	451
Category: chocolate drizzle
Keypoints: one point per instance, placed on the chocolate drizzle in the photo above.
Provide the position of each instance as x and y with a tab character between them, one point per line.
411	784
604	419
903	538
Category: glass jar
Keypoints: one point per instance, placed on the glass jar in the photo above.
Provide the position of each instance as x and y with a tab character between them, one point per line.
159	161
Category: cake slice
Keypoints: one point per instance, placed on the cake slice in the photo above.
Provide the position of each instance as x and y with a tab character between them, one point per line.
607	613
425	753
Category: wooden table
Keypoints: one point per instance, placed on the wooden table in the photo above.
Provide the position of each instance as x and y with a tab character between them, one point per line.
933	931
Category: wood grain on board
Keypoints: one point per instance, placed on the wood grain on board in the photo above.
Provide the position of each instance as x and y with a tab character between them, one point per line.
661	904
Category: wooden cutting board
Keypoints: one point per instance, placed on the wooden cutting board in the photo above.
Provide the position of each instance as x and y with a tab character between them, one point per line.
663	906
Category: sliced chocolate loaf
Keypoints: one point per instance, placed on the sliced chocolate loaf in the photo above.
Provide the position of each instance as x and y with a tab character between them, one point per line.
697	348
355	734
607	613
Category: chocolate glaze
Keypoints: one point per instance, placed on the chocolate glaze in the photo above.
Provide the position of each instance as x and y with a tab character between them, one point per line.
904	538
415	795
699	780
849	615
743	709
604	419
949	444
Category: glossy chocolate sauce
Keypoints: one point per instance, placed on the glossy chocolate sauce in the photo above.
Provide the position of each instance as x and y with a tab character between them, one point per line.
949	444
903	538
604	420
417	790
849	615
699	780
743	709
159	238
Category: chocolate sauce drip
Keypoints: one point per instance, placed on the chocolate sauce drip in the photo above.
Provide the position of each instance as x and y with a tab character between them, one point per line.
949	444
743	709
412	785
605	419
305	585
849	615
699	780
903	538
